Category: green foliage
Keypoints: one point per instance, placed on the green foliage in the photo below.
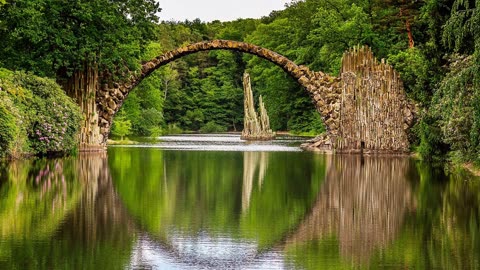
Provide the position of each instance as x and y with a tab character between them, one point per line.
454	106
55	37
212	127
431	146
205	87
8	127
338	27
456	103
414	68
155	132
121	127
173	128
45	119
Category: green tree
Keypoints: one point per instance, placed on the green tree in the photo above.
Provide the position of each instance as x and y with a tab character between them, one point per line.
82	44
121	127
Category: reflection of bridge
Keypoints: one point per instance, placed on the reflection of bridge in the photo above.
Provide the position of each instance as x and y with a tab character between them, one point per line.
362	201
364	109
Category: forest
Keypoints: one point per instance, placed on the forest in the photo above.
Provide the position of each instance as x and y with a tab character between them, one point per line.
433	44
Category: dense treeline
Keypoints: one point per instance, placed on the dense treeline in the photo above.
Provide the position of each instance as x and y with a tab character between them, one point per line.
434	44
203	92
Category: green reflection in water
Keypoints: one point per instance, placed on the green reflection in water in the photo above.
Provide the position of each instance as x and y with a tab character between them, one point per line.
444	231
189	192
35	196
321	212
62	214
390	213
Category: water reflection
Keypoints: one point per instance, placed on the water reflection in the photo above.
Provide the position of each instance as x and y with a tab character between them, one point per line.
254	164
35	197
149	208
203	212
62	214
362	204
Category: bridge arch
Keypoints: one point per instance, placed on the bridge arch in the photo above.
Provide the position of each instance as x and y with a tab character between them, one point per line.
365	109
110	98
283	62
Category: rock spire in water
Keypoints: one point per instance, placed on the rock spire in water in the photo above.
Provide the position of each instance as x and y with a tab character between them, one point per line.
254	127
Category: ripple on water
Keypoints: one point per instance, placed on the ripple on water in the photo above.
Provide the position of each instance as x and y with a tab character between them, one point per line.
222	142
202	252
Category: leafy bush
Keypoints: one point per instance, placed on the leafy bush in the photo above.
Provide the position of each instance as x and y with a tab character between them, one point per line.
173	129
432	146
47	120
414	71
212	127
449	124
149	119
156	131
8	127
121	127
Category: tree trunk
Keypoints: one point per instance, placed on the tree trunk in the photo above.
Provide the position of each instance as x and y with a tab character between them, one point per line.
411	42
165	90
82	86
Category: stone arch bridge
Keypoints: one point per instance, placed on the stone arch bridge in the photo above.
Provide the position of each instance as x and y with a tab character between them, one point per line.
364	109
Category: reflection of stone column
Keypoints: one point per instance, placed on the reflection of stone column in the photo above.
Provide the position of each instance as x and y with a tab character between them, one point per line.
363	202
252	161
262	170
100	211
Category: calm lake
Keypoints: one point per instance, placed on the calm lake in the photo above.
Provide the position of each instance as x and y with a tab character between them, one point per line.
216	202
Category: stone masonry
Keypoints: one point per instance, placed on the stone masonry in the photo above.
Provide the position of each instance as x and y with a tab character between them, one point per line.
364	110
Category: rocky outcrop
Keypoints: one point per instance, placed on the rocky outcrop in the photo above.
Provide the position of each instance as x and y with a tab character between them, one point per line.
254	127
365	110
321	143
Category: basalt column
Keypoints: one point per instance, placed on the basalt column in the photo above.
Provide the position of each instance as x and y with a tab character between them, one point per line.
82	87
365	110
254	127
375	113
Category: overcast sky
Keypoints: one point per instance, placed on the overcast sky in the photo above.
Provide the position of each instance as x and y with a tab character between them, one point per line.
223	10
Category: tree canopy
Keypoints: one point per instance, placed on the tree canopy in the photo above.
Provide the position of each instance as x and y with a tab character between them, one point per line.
56	37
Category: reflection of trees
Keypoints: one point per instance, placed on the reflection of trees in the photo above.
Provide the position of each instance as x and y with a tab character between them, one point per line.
100	214
71	217
36	196
185	201
455	237
254	164
363	202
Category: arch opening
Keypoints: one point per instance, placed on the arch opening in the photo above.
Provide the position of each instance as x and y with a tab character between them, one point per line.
111	97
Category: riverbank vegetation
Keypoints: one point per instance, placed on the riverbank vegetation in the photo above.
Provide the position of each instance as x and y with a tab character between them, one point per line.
433	44
36	116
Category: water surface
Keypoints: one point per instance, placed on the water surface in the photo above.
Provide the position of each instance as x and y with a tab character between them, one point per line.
189	203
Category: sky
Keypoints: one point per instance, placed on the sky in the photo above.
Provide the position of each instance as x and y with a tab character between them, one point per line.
223	10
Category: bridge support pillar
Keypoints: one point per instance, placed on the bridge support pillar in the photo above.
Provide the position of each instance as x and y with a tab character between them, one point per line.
82	86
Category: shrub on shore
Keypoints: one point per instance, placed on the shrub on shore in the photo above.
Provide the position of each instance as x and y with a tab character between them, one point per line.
36	116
